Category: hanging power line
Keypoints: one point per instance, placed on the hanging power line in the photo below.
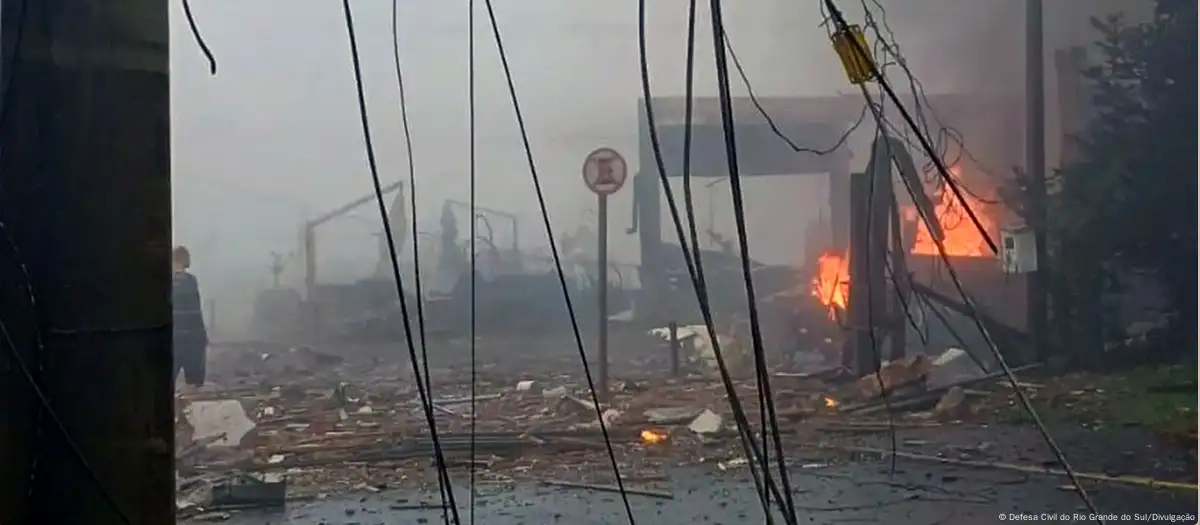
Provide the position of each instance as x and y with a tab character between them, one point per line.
444	482
764	486
472	157
372	164
198	38
762	374
841	141
562	277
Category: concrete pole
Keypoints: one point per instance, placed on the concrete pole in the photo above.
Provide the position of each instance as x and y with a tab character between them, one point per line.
86	202
1035	164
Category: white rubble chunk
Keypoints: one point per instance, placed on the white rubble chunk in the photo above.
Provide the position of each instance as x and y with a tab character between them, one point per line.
707	422
224	417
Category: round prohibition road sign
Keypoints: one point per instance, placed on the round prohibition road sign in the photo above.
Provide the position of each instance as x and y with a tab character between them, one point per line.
604	171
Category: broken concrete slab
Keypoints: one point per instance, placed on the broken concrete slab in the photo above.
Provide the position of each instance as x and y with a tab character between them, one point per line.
706	423
952	405
953	366
911	370
670	415
557	392
225	418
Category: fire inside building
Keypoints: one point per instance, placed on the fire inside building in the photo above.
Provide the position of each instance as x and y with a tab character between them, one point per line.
843	261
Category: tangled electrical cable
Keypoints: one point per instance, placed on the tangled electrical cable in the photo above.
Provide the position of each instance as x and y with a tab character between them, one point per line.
764	485
760	361
868	106
554	252
926	146
372	164
839	22
888	51
841	141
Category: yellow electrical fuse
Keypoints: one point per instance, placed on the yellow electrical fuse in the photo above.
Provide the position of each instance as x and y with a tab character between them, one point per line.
851	47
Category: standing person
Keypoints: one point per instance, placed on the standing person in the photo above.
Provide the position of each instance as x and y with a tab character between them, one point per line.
191	337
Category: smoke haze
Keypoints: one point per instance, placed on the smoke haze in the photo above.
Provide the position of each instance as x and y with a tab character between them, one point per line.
275	136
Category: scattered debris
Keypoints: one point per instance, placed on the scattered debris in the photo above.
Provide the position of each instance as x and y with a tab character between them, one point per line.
342	394
359	426
732	463
1126	480
250	491
632	491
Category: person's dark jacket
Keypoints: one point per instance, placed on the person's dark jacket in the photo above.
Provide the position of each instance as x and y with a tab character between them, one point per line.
190	332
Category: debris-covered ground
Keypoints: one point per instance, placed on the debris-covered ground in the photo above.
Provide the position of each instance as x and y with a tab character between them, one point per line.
919	494
299	424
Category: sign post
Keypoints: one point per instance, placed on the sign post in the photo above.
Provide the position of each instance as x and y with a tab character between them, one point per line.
604	172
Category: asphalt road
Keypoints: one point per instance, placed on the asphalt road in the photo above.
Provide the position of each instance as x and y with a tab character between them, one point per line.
916	493
865	491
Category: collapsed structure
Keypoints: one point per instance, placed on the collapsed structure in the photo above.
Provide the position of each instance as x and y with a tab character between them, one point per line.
804	137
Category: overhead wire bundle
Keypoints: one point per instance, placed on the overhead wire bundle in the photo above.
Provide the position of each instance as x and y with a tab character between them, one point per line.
762	376
952	212
421	376
444	485
945	138
841	25
953	208
759	463
423	384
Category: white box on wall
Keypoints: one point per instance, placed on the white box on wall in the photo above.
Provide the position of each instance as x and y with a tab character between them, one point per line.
1018	250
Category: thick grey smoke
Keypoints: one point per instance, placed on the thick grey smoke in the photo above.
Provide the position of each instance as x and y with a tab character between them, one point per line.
275	137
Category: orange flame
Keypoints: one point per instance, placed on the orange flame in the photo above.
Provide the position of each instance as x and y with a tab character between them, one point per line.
653	437
831	284
830	402
962	237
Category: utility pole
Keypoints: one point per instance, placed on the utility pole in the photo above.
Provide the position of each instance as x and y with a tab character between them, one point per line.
86	202
1035	165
